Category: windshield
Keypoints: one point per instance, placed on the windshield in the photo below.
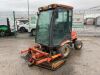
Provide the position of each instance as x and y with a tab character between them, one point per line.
43	27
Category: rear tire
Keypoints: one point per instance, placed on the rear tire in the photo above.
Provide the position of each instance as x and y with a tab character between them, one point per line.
78	45
65	50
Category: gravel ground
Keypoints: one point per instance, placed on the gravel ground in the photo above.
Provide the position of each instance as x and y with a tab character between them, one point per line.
83	62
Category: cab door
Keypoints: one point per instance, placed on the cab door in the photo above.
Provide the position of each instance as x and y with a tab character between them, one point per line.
62	26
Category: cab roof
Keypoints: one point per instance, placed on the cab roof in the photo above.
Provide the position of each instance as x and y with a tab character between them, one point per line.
54	6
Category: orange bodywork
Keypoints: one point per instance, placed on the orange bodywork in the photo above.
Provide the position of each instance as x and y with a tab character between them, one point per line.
74	35
48	59
56	56
39	56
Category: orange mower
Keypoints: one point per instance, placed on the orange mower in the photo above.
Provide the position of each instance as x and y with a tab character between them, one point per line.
54	37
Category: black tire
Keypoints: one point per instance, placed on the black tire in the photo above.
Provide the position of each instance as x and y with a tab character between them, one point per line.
65	50
22	30
2	33
78	45
33	32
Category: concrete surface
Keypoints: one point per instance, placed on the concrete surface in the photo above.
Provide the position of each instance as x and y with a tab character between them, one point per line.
84	62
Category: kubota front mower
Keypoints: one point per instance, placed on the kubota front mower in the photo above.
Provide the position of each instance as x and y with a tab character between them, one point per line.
54	37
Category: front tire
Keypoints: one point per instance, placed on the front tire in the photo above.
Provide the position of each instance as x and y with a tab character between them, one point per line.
65	50
78	45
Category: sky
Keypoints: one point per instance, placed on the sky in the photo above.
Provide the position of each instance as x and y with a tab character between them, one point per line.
21	5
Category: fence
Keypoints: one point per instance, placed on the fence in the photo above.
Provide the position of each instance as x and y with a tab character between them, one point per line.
89	24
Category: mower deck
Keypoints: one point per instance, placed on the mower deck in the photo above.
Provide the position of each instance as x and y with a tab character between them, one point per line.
43	59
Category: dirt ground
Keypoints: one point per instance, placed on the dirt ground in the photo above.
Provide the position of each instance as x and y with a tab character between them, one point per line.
83	62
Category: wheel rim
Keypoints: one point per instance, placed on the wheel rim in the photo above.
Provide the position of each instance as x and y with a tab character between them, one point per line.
79	46
65	50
